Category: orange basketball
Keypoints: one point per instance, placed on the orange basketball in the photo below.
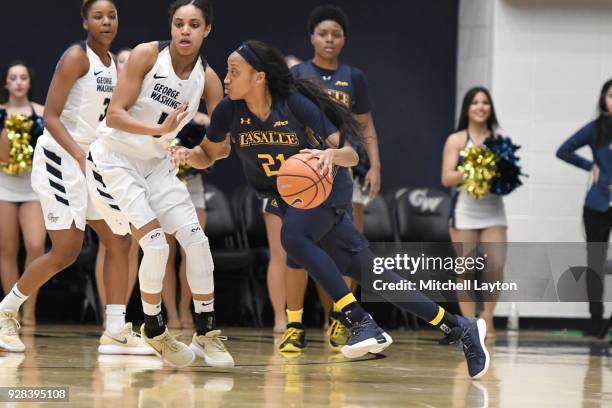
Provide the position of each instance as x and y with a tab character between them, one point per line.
300	185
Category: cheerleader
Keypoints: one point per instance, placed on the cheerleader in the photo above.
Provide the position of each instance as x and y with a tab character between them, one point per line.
19	206
475	222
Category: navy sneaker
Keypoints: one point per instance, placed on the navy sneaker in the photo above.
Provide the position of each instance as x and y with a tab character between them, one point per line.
471	333
365	337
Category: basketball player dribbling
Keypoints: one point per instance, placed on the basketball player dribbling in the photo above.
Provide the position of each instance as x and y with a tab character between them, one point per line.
271	116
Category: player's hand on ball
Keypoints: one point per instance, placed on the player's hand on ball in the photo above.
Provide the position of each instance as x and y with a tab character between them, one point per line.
174	119
179	155
326	160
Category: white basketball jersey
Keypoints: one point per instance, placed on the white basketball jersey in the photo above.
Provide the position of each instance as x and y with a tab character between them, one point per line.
88	99
161	92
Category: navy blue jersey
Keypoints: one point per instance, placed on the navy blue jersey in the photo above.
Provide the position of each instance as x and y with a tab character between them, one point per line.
346	84
295	123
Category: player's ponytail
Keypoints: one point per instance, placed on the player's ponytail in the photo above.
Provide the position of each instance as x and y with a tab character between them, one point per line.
268	59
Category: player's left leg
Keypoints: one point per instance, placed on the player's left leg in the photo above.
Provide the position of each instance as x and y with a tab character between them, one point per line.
172	202
34	236
300	235
469	332
493	244
118	337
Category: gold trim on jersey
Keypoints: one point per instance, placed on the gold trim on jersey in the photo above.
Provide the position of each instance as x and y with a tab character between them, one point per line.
267	137
340	96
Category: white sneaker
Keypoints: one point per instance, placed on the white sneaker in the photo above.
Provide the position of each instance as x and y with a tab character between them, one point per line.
211	348
169	349
9	332
126	342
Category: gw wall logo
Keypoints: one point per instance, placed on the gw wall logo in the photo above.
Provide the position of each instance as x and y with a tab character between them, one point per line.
420	199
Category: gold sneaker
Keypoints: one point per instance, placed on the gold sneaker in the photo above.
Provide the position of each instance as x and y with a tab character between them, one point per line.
294	339
211	348
169	349
9	332
126	342
338	333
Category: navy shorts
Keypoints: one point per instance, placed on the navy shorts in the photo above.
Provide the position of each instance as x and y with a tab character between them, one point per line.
341	243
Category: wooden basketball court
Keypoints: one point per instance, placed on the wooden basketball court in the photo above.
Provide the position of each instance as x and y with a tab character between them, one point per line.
533	369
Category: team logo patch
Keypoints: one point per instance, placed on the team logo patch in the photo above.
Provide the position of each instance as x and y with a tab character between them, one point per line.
342	83
280	123
52	218
245	121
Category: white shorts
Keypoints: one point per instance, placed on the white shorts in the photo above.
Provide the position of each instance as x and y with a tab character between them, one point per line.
60	184
141	189
360	196
195	186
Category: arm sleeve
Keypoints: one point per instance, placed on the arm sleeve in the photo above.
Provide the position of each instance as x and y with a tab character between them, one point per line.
583	137
220	121
310	115
362	95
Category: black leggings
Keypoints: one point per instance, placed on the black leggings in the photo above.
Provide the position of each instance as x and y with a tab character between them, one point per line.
597	227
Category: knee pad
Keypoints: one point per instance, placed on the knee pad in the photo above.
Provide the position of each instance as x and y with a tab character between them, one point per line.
199	260
153	266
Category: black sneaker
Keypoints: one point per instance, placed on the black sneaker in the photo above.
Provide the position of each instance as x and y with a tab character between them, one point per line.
471	333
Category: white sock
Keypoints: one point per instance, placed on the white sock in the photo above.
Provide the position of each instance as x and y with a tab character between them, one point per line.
115	318
151	309
13	300
200	306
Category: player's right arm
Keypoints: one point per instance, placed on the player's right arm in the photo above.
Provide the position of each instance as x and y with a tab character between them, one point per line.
126	92
71	66
216	145
450	158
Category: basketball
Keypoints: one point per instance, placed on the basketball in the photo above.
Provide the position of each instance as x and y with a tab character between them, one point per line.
300	184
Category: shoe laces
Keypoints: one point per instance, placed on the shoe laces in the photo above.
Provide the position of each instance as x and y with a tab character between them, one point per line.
10	326
217	342
460	337
336	328
292	334
466	342
171	342
358	327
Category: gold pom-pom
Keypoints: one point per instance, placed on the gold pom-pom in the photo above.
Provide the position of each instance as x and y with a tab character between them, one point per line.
18	128
479	168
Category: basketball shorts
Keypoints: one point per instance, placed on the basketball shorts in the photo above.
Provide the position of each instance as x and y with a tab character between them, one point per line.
141	189
61	186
